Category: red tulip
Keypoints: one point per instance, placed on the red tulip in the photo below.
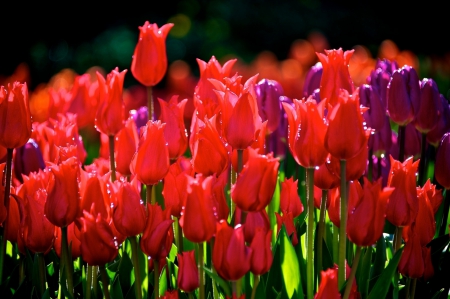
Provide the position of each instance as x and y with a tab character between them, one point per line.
198	218
15	127
170	294
262	256
256	183
63	200
324	178
129	212
125	145
231	257
149	64
335	74
93	191
172	114
209	153
402	206
346	135
157	238
98	242
83	100
412	260
288	220
73	233
307	130
328	288
151	161
253	221
111	111
366	215
289	198
188	279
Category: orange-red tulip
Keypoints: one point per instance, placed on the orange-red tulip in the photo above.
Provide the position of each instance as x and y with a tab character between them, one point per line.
289	198
149	64
125	145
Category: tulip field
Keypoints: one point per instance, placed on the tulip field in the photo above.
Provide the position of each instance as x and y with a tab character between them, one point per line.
329	181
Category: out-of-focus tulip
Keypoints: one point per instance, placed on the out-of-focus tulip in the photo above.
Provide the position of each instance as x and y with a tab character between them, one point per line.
289	198
157	238
129	212
403	95
151	161
170	294
312	80
367	213
140	117
63	200
175	185
402	206
262	256
197	219
346	135
413	141
256	183
209	153
172	114
187	279
231	257
98	242
28	158
336	75
307	131
15	127
328	288
442	165
288	220
268	93
110	114
149	63
83	100
430	106
125	145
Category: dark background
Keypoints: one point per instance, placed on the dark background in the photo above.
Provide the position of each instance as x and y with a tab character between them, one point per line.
81	35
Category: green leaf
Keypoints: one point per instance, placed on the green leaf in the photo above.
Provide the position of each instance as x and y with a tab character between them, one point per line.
223	283
162	281
363	273
380	261
116	290
382	285
289	266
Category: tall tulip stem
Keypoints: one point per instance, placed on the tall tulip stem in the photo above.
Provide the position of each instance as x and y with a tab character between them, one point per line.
148	195
321	231
9	156
240	159
150	105
112	161
42	270
105	282
348	287
137	272
87	295
310	233
201	274
255	286
66	260
343	226
178	234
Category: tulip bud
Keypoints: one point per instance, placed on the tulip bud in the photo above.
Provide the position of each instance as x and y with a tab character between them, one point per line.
312	80
268	93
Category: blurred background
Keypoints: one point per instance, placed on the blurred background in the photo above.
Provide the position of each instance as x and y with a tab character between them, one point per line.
38	42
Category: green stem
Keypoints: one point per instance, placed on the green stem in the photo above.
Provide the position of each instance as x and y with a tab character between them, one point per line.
215	291
137	272
398	238
21	268
88	282
235	288
112	161
201	275
9	157
67	260
42	276
423	160
255	286
408	287
335	244
348	287
321	231
156	278
190	296
413	288
343	226
310	233
150	105
105	282
149	196
94	280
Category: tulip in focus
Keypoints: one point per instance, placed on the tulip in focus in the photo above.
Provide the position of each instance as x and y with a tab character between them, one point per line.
187	279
